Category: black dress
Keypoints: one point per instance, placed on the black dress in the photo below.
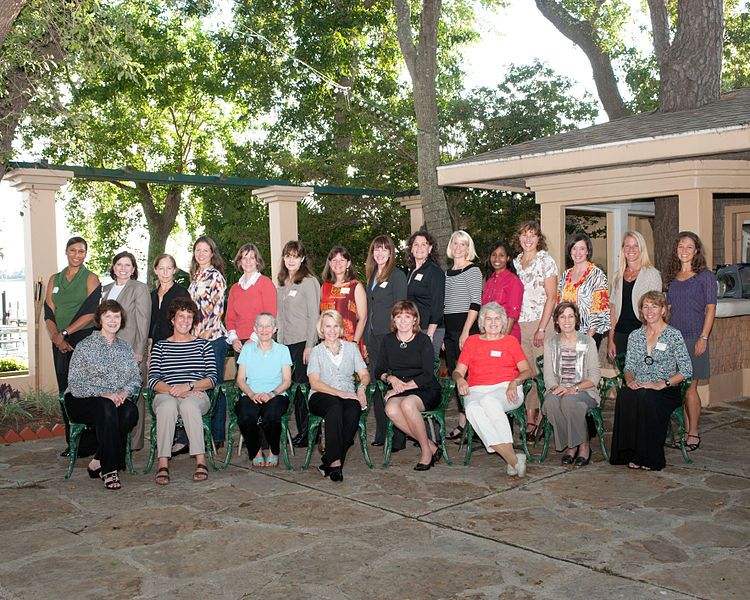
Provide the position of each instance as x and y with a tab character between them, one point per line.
409	361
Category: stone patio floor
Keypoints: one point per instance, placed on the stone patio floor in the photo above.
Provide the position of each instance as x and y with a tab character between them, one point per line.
453	532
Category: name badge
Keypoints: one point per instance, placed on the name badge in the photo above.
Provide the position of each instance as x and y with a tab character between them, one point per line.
495	353
581	346
293	293
418	277
55	289
384	284
345	290
661	346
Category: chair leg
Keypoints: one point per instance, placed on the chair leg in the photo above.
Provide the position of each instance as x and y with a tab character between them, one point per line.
152	449
285	442
312	431
520	416
600	432
680	416
441	421
547	435
209	441
468	436
363	442
388	443
129	456
75	436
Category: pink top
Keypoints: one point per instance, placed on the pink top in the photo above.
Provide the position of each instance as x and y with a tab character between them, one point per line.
244	306
506	289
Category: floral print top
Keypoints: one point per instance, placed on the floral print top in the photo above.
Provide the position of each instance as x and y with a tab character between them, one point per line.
591	294
207	291
533	277
669	356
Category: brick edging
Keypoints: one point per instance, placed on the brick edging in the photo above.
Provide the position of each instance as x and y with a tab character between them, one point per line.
28	435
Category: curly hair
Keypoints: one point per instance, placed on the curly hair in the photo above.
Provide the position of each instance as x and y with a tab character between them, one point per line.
434	254
697	264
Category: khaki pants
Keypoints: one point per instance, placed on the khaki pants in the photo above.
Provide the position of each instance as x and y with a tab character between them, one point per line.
528	330
191	409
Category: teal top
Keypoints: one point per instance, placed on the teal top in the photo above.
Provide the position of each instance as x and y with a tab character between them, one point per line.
263	369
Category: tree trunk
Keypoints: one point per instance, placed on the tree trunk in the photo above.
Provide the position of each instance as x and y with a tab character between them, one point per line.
160	223
689	66
9	10
666	228
585	36
421	61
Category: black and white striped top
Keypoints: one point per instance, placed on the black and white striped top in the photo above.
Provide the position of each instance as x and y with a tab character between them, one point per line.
463	289
181	362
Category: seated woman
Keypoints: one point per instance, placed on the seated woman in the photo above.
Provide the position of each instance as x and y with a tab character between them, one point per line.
406	363
103	374
656	363
571	374
264	374
497	366
181	371
331	369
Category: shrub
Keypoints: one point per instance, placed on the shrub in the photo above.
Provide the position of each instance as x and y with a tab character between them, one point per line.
12	364
12	409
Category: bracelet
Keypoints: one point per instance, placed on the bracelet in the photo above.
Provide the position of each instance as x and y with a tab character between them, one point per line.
703	337
540	330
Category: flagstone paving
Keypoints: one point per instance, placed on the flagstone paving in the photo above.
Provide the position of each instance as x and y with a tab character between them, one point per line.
452	532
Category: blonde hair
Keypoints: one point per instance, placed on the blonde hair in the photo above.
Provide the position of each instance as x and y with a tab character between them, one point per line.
642	254
336	316
462	235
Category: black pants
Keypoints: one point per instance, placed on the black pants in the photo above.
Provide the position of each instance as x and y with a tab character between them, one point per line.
252	417
299	375
61	360
111	423
342	422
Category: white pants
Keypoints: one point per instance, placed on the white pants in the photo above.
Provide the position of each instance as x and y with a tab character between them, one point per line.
486	406
191	409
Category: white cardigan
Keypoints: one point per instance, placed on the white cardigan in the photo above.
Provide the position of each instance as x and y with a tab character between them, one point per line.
648	279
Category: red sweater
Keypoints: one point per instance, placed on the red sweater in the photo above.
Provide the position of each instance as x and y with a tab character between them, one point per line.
244	305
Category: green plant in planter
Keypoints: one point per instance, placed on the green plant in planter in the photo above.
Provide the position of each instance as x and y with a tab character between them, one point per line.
46	403
12	409
12	364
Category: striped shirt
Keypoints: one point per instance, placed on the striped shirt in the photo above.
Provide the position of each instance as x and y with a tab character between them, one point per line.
181	362
463	289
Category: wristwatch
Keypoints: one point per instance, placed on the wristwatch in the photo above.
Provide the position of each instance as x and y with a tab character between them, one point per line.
191	385
65	333
667	382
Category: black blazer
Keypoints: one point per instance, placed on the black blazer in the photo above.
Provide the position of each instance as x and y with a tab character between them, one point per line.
426	288
380	301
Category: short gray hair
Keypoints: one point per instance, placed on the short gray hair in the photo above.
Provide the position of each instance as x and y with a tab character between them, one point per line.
491	307
267	315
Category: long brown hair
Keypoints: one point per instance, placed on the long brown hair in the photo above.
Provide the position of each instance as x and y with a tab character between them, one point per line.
371	267
328	274
216	261
434	255
697	264
305	268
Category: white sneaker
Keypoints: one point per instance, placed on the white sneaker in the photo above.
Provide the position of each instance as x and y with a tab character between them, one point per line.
520	467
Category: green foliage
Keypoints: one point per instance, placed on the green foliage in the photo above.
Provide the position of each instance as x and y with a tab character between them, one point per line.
736	65
46	404
12	364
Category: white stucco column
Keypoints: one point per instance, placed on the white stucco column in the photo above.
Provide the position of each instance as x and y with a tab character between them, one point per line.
38	188
282	217
416	213
697	215
552	221
617	225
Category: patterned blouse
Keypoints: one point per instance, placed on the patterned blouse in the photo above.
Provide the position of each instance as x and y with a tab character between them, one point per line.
207	291
591	294
533	277
98	367
341	299
669	356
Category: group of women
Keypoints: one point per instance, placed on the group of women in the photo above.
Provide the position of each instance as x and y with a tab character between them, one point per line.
492	326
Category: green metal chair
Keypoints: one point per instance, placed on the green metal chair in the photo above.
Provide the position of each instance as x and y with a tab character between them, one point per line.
518	414
314	422
207	437
447	387
77	429
678	414
595	413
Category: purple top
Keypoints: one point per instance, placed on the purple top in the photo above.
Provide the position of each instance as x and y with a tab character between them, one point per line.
688	300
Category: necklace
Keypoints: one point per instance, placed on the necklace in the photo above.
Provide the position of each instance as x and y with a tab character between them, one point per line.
404	344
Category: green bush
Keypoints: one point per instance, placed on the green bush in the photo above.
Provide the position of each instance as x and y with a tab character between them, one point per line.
12	364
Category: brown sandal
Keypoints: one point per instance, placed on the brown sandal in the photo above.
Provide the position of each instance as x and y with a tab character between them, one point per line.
201	472
162	476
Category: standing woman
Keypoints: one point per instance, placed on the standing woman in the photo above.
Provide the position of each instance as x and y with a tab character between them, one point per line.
298	312
635	276
426	286
691	295
70	303
538	273
253	294
207	289
503	286
165	291
343	293
134	298
386	285
585	285
463	299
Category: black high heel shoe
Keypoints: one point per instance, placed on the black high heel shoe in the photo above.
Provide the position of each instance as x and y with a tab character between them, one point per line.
437	455
94	473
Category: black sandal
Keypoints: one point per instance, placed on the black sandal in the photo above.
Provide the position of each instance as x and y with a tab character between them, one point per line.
692	447
455	433
112	481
